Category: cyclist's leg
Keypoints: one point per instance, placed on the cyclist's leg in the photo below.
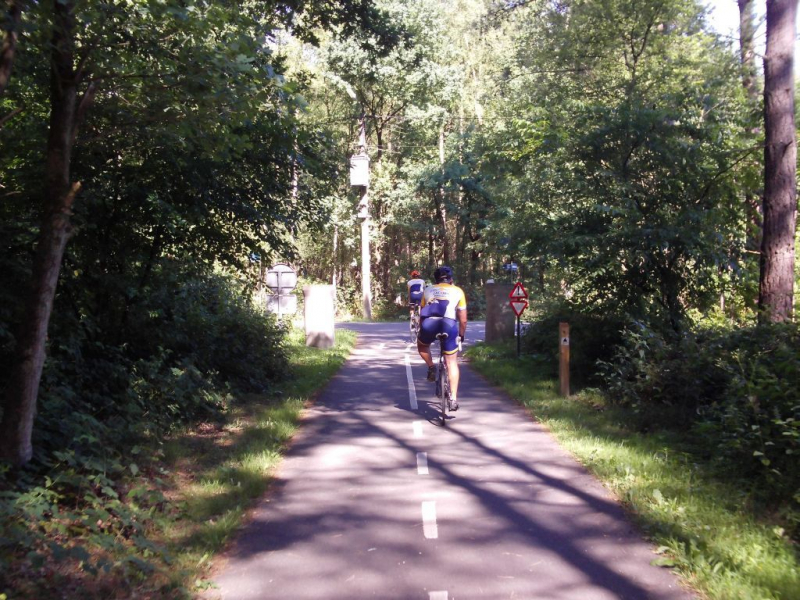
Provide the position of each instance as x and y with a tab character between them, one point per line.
451	357
428	329
425	352
453	374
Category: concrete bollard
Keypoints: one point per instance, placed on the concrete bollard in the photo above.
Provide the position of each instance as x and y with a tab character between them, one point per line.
500	319
320	313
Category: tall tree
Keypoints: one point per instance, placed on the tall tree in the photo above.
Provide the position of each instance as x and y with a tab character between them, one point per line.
625	114
747	52
205	62
776	283
9	47
66	111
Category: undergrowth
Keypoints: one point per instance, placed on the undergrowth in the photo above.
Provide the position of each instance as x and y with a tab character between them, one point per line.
705	522
129	492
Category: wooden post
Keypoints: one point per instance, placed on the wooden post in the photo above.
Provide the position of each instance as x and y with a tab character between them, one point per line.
563	367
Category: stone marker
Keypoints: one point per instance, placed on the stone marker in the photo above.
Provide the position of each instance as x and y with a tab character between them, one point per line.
320	315
500	318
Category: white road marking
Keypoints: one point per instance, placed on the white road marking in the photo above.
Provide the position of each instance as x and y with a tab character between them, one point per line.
412	391
417	429
422	463
437	595
429	527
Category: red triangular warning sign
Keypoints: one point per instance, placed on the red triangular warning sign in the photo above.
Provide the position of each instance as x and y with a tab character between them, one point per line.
518	293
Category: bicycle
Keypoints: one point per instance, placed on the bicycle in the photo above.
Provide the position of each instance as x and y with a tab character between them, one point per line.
442	380
415	324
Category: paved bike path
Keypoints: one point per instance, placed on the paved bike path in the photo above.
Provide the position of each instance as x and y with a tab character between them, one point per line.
376	500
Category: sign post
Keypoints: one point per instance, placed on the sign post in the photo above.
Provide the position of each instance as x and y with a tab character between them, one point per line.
359	177
281	279
563	363
518	298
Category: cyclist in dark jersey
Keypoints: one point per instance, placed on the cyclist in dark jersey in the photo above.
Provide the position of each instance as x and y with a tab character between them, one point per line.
415	289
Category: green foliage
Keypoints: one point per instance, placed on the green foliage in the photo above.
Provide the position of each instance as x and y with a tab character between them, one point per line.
757	422
737	389
706	524
193	158
650	374
213	324
626	162
592	337
82	520
87	490
106	516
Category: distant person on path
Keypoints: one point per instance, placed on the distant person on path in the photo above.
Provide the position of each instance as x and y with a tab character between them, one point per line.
444	310
415	289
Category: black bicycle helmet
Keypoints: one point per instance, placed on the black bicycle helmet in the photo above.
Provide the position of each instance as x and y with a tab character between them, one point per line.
443	274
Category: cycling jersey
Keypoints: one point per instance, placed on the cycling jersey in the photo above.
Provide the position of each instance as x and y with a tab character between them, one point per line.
443	300
415	290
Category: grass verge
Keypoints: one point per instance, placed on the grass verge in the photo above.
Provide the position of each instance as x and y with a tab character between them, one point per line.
702	525
216	473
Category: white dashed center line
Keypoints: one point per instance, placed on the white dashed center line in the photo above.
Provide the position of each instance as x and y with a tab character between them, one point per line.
417	429
429	527
437	595
412	392
422	463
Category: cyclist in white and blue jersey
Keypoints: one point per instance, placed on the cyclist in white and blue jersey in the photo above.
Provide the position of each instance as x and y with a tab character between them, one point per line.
415	289
444	310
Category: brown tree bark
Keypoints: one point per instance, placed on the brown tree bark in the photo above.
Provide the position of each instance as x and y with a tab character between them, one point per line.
431	251
9	48
441	208
747	60
23	387
776	282
747	53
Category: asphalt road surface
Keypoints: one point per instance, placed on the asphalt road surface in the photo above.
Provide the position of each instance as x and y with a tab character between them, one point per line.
376	499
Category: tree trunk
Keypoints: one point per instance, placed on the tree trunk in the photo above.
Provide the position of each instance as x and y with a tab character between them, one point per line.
441	208
747	60
747	53
475	256
334	278
776	283
23	387
389	255
431	251
9	48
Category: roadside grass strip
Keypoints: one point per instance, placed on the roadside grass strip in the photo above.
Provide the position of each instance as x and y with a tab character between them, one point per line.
702	524
217	476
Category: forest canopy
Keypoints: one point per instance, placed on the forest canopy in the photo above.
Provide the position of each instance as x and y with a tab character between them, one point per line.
156	156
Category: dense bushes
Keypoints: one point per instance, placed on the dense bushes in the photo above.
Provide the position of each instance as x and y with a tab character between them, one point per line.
738	391
103	406
592	337
212	323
